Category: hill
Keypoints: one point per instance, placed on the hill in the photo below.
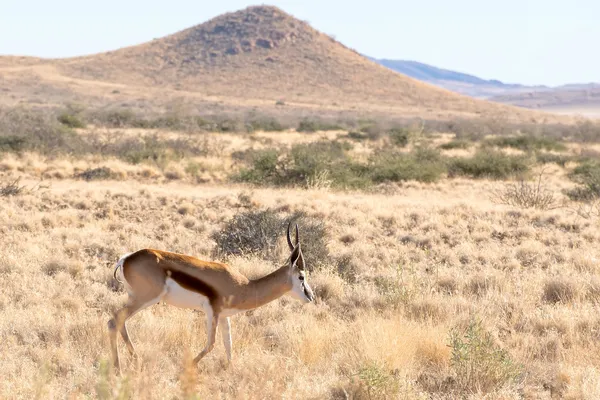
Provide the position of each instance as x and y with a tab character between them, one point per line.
257	56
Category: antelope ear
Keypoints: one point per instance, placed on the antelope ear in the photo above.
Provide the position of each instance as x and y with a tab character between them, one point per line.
296	257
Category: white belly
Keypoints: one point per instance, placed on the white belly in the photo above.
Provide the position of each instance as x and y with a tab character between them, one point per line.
180	297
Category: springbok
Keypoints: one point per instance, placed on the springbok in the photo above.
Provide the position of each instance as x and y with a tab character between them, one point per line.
151	276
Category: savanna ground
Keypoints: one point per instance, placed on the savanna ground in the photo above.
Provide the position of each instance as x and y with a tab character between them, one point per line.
438	272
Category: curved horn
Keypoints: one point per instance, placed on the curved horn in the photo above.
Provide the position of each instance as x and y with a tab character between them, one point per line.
289	239
297	236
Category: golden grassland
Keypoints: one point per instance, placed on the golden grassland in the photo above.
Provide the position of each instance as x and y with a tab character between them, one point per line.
429	290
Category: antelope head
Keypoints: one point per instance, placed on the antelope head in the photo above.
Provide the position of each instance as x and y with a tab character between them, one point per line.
300	287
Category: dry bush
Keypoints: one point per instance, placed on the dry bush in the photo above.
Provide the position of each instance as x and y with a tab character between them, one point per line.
258	232
11	188
526	195
447	285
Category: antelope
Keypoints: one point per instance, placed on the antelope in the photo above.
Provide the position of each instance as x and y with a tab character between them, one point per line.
151	276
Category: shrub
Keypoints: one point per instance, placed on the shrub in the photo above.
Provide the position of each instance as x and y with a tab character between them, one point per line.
527	143
267	125
71	120
263	167
399	136
118	118
355	135
588	176
423	164
548	158
91	174
456	144
35	130
13	143
313	238
11	188
257	232
251	232
153	149
526	195
312	125
377	381
488	163
479	365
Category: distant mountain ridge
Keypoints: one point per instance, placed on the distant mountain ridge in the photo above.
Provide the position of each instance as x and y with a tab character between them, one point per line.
455	81
540	96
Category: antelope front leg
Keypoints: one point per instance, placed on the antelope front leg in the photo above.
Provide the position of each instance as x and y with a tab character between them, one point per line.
212	321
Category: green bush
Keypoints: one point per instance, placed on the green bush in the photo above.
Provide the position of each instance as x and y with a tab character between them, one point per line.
456	144
399	136
588	176
527	143
267	125
313	125
479	365
423	164
551	158
263	168
71	120
487	163
355	135
13	143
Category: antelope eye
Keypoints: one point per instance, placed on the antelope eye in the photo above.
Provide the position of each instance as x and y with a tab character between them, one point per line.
301	277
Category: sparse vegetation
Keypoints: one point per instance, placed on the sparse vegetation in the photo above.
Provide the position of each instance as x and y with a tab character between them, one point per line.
527	143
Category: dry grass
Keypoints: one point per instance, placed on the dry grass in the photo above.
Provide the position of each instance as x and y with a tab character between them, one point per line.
379	332
400	272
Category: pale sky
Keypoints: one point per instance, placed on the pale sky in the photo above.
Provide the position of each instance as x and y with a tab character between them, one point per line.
548	42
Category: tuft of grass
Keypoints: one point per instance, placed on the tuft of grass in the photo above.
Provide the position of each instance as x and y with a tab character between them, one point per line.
492	164
559	291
